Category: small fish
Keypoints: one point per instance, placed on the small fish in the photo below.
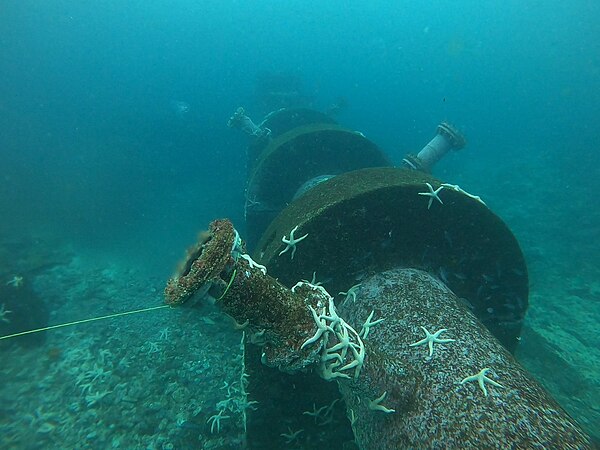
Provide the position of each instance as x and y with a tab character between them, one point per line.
180	108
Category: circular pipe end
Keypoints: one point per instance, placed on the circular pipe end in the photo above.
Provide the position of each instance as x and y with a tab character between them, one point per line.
455	137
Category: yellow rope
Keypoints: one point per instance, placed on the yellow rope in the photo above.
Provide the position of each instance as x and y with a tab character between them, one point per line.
77	322
228	285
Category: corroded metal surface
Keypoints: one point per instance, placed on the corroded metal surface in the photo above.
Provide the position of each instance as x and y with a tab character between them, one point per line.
293	158
275	318
434	407
305	152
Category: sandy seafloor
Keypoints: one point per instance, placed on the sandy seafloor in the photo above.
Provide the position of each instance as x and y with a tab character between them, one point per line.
153	380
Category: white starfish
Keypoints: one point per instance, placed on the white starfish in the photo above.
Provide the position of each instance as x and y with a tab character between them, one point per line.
376	405
343	343
291	435
291	242
314	287
368	324
432	194
358	352
322	327
16	281
431	339
216	421
457	188
3	314
328	371
481	379
314	281
254	264
317	413
351	292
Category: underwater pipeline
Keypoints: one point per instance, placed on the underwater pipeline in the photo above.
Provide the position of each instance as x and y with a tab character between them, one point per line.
420	306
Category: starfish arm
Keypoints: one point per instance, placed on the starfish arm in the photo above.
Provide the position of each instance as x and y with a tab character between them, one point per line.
436	339
339	346
376	406
430	188
482	386
492	382
454	187
313	339
301	238
330	374
253	264
331	355
481	380
421	342
350	365
467	379
359	355
343	344
321	329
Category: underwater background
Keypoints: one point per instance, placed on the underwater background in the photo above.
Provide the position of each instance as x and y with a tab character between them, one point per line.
115	152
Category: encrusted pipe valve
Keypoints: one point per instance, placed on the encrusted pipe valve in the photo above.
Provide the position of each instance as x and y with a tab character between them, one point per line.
276	318
447	138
